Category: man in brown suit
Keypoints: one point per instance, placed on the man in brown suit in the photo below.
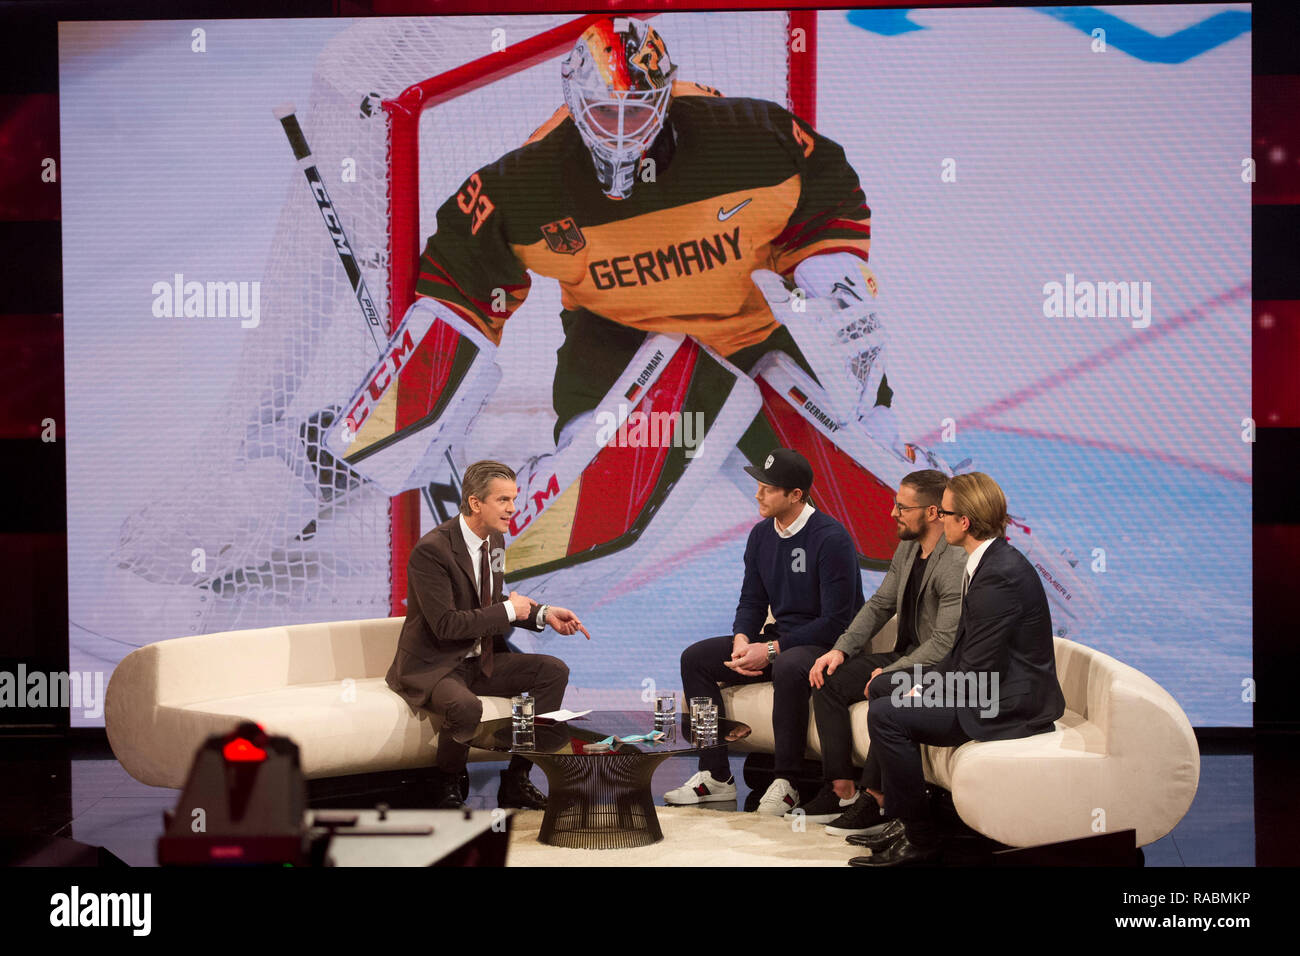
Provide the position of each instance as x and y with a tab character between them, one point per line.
452	648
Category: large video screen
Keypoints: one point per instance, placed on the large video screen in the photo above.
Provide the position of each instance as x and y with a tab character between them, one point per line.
1053	206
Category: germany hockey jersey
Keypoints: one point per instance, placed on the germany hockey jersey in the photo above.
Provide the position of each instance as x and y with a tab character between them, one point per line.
741	184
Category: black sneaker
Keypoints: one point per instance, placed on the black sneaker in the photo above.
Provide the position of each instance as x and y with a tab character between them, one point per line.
824	807
518	793
863	815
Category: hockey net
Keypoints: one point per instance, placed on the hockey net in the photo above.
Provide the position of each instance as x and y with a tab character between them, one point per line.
262	527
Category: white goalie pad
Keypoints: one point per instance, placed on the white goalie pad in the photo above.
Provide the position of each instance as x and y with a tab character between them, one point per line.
447	366
789	391
802	396
631	470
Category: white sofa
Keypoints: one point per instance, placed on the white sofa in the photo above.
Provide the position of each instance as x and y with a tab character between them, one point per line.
322	685
1122	756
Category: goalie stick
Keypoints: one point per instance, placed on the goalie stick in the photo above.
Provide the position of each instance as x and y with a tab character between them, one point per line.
238	580
334	466
335	449
287	115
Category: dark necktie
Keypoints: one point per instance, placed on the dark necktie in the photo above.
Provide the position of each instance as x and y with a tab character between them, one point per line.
485	599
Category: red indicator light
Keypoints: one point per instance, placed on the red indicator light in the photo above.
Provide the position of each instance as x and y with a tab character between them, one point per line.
240	750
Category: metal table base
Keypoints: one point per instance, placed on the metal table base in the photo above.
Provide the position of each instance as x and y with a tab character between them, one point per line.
599	802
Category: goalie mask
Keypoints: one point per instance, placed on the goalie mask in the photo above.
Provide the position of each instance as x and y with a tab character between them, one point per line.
617	84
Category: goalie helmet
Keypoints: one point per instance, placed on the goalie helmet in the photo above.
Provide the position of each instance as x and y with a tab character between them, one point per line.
618	81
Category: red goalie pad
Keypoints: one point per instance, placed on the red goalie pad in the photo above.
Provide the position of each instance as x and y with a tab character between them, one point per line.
628	479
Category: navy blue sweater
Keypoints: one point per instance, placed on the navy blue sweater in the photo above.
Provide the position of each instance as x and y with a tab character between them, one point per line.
810	580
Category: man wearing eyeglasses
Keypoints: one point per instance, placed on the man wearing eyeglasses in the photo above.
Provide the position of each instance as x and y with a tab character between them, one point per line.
923	587
1004	641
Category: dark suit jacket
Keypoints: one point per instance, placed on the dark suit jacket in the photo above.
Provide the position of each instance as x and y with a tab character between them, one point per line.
443	614
1006	628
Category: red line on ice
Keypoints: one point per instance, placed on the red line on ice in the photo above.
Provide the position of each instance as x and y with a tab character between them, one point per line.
1108	354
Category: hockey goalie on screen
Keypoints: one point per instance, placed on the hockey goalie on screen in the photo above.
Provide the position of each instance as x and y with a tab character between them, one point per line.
730	288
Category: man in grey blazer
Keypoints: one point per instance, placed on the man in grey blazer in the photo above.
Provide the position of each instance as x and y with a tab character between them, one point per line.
923	587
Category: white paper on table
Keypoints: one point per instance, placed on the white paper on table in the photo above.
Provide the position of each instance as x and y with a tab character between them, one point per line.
566	714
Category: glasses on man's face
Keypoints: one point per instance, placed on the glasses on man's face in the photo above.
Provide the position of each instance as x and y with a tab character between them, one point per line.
900	507
947	514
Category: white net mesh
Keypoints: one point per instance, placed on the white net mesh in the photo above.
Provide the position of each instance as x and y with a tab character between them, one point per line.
287	535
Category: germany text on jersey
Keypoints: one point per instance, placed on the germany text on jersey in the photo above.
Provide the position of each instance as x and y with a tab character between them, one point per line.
737	185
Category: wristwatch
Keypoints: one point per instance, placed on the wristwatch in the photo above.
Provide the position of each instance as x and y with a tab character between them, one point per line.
541	615
771	651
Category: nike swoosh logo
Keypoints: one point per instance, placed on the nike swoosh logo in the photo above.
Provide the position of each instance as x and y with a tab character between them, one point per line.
725	214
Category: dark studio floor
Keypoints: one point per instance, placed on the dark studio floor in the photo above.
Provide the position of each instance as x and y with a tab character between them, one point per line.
1242	815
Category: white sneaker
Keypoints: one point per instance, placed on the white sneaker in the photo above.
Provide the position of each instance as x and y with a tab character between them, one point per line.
701	788
780	798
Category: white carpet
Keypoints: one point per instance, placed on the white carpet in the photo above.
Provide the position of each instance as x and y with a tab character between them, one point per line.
693	836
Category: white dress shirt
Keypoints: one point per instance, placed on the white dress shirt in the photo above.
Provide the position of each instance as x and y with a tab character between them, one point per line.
475	545
797	524
973	562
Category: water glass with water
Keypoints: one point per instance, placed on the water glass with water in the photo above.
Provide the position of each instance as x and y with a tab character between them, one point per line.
522	709
694	705
704	724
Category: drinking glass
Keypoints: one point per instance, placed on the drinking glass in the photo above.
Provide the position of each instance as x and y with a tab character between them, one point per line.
522	709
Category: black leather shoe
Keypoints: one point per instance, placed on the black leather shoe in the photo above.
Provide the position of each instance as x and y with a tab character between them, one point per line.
878	837
518	793
444	792
901	852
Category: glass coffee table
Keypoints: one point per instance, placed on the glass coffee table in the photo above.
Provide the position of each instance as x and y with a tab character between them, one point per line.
598	799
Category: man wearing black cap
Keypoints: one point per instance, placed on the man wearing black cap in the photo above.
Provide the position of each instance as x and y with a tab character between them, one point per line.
803	566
